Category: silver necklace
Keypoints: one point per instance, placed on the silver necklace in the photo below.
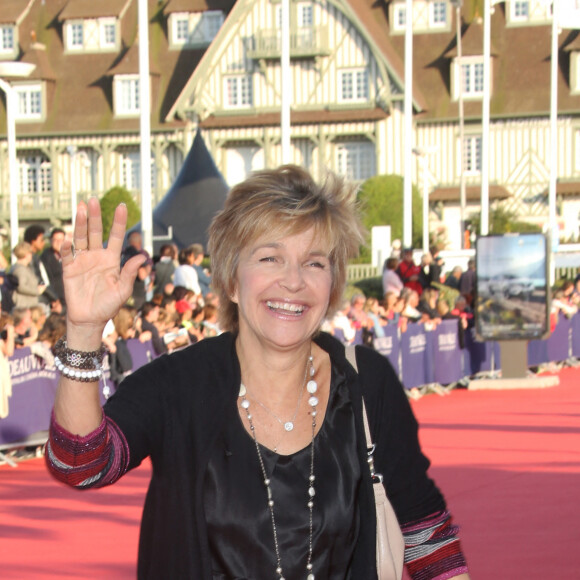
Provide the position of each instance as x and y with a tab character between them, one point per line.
288	425
311	387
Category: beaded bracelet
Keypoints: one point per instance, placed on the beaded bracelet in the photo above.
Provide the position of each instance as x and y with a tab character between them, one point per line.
79	365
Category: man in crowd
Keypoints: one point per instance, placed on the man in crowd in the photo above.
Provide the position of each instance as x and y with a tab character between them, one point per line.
51	260
203	279
409	272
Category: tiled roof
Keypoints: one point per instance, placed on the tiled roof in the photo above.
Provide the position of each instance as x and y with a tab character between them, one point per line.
472	193
296	117
93	8
197	5
12	10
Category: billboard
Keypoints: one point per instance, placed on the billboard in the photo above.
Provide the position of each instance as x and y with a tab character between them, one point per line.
512	273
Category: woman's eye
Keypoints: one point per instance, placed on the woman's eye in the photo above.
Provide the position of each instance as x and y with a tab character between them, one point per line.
268	259
320	265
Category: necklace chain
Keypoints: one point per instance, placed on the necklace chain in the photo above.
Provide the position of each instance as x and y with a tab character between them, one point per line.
287	425
313	402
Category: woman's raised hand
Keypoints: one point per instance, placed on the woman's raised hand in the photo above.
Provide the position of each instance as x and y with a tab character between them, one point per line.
95	286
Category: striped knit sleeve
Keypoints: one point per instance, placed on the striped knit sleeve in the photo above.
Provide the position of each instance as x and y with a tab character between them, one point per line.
432	548
95	460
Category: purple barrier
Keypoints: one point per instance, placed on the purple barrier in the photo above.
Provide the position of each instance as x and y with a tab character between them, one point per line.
414	356
33	389
446	353
141	352
477	355
537	352
559	342
390	346
575	339
358	337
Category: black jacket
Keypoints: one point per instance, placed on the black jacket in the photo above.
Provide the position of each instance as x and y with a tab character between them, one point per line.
173	410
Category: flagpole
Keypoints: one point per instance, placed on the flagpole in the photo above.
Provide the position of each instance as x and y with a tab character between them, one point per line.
484	225
553	230
286	82
145	127
408	129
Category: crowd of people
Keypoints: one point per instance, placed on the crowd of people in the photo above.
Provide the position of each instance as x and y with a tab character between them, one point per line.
412	294
171	304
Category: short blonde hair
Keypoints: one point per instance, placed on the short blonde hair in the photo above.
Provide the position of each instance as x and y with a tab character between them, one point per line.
281	202
21	250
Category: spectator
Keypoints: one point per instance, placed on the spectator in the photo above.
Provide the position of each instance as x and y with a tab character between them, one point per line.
467	282
436	265
39	315
411	301
341	321
425	273
51	260
376	315
203	278
428	304
28	291
356	313
120	359
34	235
409	272
143	285
391	280
54	328
185	275
134	246
453	278
25	333
149	316
6	351
390	314
210	321
164	270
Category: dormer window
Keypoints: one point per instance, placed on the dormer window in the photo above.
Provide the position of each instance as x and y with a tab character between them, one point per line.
194	29
471	75
91	34
29	100
126	92
574	72
399	17
438	14
7	42
520	11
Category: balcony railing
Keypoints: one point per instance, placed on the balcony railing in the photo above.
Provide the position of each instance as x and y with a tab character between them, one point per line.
308	42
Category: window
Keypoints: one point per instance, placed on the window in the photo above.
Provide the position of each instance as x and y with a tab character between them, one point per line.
356	160
75	35
6	38
238	92
472	78
131	170
353	85
520	11
438	14
29	99
196	29
305	15
126	94
35	174
108	32
399	17
472	155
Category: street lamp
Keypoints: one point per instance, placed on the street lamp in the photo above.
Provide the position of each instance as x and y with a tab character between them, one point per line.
422	153
12	69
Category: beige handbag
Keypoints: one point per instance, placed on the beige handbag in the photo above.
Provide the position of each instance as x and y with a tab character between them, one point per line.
390	542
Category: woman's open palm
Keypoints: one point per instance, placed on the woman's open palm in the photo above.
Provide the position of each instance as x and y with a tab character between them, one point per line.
95	286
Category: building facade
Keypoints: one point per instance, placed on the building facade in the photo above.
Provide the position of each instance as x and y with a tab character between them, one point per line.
215	65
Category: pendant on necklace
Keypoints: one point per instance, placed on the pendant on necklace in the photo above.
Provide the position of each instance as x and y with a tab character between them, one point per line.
288	425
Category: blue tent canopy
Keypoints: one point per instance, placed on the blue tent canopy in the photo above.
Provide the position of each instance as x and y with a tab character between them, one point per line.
195	197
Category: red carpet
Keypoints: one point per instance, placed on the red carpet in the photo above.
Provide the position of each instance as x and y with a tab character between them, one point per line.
507	461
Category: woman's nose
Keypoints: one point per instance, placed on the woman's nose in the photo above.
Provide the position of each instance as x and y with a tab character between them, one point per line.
292	277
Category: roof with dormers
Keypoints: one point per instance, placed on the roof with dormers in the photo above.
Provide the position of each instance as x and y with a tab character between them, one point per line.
12	11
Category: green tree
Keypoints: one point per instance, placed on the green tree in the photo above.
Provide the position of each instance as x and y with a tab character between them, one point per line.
110	201
502	221
381	199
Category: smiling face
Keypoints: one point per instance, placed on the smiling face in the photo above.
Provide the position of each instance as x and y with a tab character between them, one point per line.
282	289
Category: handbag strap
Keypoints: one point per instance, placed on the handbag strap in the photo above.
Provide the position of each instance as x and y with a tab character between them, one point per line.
350	351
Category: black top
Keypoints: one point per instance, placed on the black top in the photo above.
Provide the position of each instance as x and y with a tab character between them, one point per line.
238	518
176	410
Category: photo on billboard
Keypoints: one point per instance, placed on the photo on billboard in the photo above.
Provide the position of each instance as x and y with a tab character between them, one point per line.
512	289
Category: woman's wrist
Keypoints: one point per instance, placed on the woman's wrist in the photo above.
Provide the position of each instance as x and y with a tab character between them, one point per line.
84	337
